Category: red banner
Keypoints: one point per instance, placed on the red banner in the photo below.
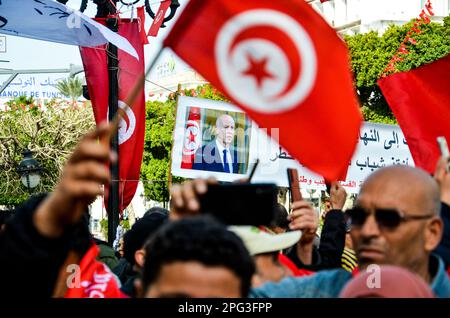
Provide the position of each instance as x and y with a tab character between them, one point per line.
132	125
285	66
420	100
159	18
141	16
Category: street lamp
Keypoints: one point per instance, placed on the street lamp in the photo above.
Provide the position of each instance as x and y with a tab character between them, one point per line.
29	170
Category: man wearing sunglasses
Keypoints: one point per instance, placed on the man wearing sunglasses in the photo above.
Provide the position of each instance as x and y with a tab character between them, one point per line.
396	222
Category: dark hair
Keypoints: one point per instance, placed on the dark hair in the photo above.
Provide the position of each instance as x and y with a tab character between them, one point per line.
157	210
280	217
136	237
200	239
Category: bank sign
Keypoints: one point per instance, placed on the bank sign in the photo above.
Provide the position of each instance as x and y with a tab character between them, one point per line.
39	86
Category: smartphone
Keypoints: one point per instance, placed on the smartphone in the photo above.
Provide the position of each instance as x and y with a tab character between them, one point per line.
294	184
443	147
241	203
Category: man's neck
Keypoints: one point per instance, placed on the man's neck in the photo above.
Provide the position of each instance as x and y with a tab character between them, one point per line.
423	270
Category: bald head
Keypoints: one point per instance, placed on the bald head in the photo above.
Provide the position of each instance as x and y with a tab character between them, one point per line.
414	195
406	183
222	119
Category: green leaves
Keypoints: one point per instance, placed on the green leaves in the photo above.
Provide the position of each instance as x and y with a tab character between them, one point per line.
71	87
371	53
51	135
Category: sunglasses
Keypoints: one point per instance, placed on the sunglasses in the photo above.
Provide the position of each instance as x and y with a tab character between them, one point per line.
385	218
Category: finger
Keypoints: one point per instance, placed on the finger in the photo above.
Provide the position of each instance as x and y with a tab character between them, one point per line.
177	197
300	205
304	219
86	190
310	226
189	196
301	213
91	170
200	186
440	170
101	130
90	150
212	181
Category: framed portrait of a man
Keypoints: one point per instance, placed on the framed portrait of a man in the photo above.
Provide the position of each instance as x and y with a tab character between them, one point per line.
211	139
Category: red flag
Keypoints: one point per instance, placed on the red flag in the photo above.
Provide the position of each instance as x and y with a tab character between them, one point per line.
285	66
141	16
192	138
159	18
132	126
95	279
420	100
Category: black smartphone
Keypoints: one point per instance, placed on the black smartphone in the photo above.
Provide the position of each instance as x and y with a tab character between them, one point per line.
241	203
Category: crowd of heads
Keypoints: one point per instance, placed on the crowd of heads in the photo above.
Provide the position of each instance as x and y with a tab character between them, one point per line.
395	224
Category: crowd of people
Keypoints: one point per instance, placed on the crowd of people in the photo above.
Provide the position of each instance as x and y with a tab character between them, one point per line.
394	242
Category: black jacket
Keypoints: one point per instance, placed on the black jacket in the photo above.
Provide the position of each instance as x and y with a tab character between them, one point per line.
331	247
30	262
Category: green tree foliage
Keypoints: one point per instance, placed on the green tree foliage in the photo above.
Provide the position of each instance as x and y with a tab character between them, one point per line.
160	125
51	132
371	53
71	87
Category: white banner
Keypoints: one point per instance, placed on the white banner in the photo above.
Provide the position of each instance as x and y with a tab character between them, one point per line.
379	145
52	21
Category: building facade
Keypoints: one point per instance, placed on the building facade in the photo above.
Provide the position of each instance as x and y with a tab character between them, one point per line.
361	16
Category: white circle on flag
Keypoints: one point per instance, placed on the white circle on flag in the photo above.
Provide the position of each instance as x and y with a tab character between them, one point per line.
126	129
192	130
256	70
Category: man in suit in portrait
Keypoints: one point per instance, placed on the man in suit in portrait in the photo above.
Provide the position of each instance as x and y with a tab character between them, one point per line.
218	155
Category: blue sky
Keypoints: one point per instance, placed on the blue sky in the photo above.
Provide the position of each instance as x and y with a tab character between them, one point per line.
23	53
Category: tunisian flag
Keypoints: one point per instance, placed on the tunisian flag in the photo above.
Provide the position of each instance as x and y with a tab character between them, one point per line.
420	100
192	138
132	124
282	64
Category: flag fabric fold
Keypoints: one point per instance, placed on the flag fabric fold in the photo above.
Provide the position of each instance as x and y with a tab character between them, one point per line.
420	100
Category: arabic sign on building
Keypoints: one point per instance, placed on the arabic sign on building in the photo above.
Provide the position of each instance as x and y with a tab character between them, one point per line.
39	86
379	146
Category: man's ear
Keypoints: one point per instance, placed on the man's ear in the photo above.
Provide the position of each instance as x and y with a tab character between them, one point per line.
139	257
433	233
139	288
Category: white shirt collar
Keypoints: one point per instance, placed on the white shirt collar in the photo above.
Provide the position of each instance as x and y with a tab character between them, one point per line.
220	147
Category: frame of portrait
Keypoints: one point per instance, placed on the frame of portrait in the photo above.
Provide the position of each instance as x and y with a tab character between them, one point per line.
195	151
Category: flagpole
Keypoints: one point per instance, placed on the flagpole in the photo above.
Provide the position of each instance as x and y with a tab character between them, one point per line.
113	106
114	119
